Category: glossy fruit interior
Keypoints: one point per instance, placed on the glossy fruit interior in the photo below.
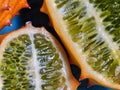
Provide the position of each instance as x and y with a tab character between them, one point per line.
93	26
31	61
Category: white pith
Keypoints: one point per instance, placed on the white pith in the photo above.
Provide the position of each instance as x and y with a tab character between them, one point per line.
74	49
33	63
92	12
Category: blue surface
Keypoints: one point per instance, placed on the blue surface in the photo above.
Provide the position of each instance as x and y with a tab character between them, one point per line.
94	88
17	23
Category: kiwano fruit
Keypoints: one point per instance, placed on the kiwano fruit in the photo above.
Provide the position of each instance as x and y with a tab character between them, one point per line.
10	8
90	30
32	59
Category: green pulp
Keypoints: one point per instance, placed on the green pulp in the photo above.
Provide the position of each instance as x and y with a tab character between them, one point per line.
16	65
50	62
83	30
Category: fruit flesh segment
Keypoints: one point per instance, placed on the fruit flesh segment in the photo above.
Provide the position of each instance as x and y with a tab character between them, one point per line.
110	13
93	25
19	61
15	63
51	64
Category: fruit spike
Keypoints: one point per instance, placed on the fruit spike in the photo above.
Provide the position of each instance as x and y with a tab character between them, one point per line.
8	23
4	5
9	8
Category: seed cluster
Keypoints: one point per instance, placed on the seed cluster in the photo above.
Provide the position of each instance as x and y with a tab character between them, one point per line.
14	64
110	12
50	64
83	31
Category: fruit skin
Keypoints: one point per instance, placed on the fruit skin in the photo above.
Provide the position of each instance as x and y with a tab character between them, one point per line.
29	28
2	37
10	8
4	5
71	47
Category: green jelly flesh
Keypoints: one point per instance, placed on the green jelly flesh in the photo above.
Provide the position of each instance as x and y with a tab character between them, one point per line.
15	66
83	30
50	61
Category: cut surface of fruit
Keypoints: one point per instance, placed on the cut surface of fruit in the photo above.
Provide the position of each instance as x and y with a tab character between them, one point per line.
10	8
32	59
90	30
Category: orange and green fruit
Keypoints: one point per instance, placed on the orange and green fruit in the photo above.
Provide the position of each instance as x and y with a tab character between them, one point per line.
32	59
90	31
